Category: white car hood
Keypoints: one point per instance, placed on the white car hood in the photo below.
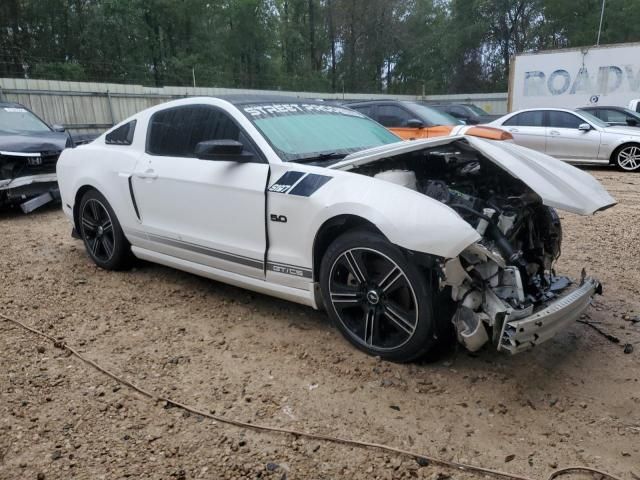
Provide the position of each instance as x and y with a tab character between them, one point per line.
558	184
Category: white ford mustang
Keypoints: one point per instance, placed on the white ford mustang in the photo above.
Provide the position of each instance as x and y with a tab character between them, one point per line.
403	243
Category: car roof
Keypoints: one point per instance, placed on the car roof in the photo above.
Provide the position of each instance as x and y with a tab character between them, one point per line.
602	107
550	109
244	99
450	104
389	101
11	104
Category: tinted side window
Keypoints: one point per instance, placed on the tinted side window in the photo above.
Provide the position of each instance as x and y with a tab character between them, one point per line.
175	132
527	119
601	114
614	116
458	112
392	116
564	120
363	109
122	135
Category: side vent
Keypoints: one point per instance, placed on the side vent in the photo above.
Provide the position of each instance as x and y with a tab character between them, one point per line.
133	199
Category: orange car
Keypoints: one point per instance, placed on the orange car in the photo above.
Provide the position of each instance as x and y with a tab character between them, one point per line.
413	120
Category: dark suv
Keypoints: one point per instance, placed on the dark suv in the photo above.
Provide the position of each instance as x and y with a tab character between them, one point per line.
407	119
467	112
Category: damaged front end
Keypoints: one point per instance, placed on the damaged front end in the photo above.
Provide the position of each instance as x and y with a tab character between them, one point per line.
28	179
29	151
504	286
495	303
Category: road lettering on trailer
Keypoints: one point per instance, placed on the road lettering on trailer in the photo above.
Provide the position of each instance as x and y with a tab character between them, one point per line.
608	79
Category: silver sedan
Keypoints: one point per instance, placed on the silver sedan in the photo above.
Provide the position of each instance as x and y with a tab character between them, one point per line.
573	136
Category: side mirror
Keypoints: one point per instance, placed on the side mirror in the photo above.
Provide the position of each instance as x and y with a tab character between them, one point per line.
584	127
632	122
415	123
58	128
222	150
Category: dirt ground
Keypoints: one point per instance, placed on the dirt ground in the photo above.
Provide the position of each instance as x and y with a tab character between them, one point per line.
574	400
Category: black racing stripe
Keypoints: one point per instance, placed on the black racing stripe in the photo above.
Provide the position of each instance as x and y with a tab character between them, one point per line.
230	257
286	181
309	185
250	262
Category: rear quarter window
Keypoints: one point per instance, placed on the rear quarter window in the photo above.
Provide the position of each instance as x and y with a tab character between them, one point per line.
122	135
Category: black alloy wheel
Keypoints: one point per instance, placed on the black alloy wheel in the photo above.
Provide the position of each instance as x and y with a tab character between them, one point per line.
373	299
97	230
102	234
382	303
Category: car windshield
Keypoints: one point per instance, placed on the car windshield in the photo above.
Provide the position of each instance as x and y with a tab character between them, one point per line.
301	131
18	119
477	110
593	119
433	116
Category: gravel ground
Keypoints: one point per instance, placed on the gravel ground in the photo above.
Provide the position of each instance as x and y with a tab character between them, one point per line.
575	400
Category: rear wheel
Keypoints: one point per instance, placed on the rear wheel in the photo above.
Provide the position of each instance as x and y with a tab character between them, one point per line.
379	301
101	232
628	158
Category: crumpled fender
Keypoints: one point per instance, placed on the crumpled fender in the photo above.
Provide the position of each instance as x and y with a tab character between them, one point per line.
557	183
407	218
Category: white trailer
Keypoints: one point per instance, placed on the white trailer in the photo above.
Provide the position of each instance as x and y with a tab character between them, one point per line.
576	77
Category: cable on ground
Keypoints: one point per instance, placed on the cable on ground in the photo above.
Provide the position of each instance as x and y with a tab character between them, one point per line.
421	458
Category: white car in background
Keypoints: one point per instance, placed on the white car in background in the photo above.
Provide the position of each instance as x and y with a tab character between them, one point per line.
401	242
573	136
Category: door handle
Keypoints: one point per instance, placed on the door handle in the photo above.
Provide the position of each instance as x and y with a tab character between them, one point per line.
554	132
148	174
514	130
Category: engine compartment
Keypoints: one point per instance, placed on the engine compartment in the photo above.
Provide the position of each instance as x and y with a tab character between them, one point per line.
521	237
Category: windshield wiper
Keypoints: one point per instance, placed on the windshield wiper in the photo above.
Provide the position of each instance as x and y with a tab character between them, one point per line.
321	157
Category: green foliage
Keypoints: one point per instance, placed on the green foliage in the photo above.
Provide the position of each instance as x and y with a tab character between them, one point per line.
400	46
59	71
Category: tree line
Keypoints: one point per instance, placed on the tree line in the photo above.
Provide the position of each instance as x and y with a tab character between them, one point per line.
391	46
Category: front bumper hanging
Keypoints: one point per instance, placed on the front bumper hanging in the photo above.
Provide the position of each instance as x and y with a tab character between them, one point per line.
29	192
525	333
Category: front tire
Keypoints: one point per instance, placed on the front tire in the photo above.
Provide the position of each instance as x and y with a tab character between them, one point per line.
628	158
102	234
379	301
